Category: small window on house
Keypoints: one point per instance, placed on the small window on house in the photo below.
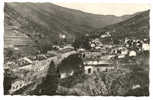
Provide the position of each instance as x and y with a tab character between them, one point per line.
89	70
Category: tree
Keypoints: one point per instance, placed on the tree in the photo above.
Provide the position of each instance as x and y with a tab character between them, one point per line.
82	42
72	63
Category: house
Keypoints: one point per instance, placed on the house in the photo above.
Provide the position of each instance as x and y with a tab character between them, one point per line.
132	53
92	66
106	34
108	57
97	47
124	51
92	44
120	50
136	86
81	50
89	70
145	47
121	56
93	54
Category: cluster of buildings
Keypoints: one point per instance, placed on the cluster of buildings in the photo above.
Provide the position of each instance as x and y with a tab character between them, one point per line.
102	57
131	48
97	63
137	44
98	59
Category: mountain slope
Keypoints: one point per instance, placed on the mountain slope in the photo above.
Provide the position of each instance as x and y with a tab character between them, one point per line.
47	14
136	27
40	24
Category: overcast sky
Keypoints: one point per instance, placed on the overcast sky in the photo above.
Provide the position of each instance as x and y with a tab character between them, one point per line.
117	9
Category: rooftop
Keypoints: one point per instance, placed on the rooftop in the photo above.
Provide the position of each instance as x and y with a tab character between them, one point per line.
97	62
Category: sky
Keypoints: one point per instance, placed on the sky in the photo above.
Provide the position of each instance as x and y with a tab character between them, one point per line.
117	9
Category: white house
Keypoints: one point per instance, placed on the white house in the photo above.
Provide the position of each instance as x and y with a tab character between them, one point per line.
136	86
132	53
92	45
124	51
145	47
97	47
121	56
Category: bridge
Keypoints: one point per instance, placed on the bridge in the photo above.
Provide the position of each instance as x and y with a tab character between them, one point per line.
37	71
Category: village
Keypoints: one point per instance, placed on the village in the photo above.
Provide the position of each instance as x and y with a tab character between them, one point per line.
107	57
102	57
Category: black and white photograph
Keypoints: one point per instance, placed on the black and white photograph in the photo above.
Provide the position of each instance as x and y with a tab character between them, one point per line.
76	49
